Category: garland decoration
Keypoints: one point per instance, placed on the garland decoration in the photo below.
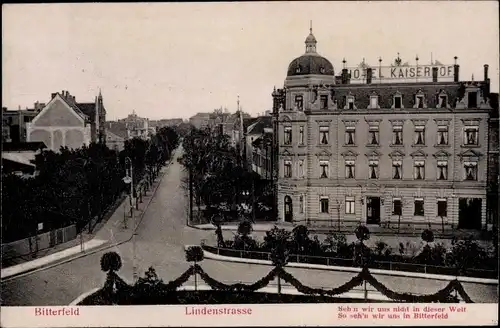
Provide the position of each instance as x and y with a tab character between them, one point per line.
217	285
348	286
442	296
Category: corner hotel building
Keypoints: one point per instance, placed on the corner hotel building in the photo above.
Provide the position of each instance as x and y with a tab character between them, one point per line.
394	146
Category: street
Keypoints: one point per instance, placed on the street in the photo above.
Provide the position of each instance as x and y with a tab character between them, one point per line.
160	244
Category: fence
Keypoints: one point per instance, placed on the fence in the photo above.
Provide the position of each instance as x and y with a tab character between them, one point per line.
333	261
27	246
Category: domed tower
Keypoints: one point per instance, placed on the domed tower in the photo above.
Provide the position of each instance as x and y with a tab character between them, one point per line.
310	63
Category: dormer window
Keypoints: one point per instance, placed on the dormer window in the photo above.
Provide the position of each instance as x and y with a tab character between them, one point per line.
350	102
419	101
397	101
374	101
442	101
324	101
472	99
299	102
298	69
322	70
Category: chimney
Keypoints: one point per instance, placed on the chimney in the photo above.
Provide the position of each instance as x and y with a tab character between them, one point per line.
369	74
486	72
456	70
435	74
344	76
74	99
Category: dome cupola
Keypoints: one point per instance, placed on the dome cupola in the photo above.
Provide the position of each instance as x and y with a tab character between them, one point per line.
310	62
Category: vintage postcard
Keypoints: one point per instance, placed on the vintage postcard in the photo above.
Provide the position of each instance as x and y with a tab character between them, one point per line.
250	164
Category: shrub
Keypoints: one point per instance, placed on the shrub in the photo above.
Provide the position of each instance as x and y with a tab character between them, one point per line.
245	228
362	233
381	247
301	240
427	236
111	262
194	254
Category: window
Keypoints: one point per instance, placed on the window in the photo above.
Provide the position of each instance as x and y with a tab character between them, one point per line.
373	169
324	169
301	203
349	205
442	170
397	135
419	207
301	135
442	101
397	173
442	135
299	102
323	202
373	101
349	170
397	207
471	135
323	101
301	168
398	102
350	102
288	169
419	101
472	99
373	135
442	208
470	171
288	135
349	135
420	135
323	135
419	173
27	119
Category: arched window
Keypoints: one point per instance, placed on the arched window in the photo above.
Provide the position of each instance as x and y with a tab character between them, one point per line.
288	209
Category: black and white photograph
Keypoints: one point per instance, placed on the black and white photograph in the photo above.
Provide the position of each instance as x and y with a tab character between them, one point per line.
250	163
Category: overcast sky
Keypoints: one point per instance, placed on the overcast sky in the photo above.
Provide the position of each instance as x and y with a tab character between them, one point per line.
177	59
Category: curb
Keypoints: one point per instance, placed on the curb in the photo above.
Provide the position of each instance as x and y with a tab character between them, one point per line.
222	258
96	250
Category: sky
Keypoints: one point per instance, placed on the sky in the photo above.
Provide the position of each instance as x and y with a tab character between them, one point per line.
174	60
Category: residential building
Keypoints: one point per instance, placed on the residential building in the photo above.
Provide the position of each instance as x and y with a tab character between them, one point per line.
64	122
256	134
165	122
200	120
14	122
138	127
116	135
393	146
261	155
19	157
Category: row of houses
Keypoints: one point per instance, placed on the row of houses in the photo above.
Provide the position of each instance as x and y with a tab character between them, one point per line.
63	121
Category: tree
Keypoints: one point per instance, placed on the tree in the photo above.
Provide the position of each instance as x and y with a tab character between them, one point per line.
243	239
301	239
363	234
194	254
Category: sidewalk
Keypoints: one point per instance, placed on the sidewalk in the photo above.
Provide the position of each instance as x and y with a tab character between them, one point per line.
412	241
107	234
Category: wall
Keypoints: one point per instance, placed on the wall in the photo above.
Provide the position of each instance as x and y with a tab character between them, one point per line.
45	240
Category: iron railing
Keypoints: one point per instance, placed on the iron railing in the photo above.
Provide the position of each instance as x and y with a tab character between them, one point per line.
343	262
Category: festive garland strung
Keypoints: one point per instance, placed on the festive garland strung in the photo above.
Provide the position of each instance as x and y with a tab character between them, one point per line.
348	286
442	295
175	284
214	284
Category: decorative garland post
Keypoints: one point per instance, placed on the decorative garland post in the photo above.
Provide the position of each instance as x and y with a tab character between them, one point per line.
362	234
194	254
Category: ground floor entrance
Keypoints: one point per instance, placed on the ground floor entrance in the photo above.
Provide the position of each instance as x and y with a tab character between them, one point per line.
469	213
372	210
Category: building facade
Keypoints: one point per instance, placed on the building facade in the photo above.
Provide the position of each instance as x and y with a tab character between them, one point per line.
14	122
65	123
138	127
410	153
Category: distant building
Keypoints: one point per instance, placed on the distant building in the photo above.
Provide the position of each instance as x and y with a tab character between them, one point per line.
165	122
259	127
116	135
63	122
14	122
138	127
261	154
200	120
19	157
394	146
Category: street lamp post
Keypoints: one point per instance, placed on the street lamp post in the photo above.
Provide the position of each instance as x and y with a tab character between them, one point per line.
130	179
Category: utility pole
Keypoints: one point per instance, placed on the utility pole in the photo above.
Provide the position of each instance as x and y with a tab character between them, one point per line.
191	184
